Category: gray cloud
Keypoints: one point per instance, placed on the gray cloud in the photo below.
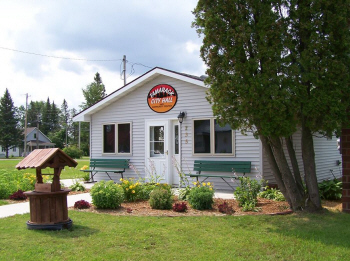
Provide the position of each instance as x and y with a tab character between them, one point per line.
153	33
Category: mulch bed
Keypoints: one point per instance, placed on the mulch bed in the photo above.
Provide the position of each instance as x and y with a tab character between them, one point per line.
143	208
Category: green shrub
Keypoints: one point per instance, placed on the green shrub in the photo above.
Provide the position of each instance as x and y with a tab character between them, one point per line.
247	193
272	193
107	195
77	186
161	198
201	196
145	190
73	152
330	189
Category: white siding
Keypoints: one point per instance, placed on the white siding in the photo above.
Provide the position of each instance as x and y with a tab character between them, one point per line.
191	98
326	156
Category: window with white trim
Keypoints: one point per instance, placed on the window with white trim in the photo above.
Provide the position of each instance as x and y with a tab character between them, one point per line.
209	138
117	138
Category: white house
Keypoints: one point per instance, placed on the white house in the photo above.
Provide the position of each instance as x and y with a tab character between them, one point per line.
31	136
140	122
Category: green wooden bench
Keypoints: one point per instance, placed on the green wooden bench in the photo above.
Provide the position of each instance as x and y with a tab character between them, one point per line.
113	165
220	166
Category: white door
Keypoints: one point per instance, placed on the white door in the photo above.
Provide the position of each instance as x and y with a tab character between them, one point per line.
157	154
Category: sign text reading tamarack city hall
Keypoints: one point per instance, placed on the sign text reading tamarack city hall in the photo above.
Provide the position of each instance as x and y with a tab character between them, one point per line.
162	98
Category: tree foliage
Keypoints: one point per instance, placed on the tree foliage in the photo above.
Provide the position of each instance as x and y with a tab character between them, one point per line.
94	92
10	133
274	67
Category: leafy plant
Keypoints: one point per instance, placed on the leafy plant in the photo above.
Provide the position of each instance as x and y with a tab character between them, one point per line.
271	193
247	193
73	152
226	208
183	193
18	195
82	204
77	186
145	191
330	189
106	194
161	198
201	196
131	189
86	176
180	207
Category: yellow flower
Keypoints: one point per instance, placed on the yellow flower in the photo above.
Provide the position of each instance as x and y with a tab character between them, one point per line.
126	189
121	179
157	184
204	184
133	192
195	183
208	183
210	189
130	187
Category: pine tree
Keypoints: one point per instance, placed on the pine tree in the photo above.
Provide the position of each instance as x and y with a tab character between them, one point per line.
10	133
94	92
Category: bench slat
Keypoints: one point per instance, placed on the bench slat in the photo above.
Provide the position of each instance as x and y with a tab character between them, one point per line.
107	165
201	166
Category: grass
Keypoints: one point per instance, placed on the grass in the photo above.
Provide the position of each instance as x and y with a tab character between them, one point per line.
3	202
67	173
107	237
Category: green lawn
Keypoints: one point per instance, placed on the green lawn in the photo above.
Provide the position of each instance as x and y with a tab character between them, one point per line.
106	237
67	173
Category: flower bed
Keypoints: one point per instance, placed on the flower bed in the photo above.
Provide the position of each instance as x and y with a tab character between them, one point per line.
143	208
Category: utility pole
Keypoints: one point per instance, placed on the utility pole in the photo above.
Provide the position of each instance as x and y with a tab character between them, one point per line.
124	69
79	135
25	128
37	131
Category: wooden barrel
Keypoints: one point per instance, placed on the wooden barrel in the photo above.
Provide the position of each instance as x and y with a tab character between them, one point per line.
47	208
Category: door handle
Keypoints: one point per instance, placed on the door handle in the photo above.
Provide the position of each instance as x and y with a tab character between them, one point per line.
166	152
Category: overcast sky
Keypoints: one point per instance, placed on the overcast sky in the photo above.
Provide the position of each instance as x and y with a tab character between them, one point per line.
149	32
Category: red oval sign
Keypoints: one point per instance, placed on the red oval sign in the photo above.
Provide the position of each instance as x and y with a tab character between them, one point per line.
162	98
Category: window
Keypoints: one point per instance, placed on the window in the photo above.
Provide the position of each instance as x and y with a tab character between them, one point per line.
14	149
3	149
209	138
156	141
117	138
109	138
124	138
34	135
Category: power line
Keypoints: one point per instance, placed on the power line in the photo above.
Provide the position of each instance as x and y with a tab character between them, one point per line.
60	57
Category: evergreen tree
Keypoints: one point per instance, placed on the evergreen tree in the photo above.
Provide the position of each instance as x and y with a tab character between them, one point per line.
46	123
64	120
55	118
275	67
10	132
94	92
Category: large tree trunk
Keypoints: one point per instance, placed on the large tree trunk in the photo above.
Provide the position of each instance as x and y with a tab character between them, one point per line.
296	198
307	145
294	162
274	168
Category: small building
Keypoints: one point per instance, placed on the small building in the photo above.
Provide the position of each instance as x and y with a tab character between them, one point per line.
43	142
140	122
37	140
